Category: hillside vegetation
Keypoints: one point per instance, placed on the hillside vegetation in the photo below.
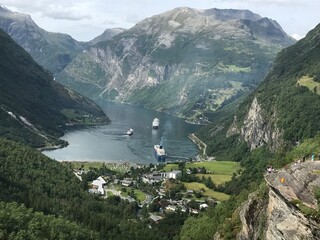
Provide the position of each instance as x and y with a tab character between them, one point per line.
289	108
32	104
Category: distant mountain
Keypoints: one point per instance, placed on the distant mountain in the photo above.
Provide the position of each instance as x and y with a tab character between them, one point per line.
33	107
185	61
107	35
53	51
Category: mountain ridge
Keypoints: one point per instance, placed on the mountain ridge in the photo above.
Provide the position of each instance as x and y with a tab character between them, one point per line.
177	61
51	50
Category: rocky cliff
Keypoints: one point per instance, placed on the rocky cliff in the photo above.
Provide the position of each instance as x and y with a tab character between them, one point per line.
258	128
184	61
290	211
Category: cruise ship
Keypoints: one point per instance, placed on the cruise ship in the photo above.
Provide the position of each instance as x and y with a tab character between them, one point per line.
155	123
159	153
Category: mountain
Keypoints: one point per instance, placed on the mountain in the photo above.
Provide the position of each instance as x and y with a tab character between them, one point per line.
185	61
106	35
277	126
53	51
33	107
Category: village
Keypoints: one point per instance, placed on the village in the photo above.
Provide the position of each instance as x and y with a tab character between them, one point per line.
160	189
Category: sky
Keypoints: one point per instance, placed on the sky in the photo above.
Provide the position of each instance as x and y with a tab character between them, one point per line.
86	19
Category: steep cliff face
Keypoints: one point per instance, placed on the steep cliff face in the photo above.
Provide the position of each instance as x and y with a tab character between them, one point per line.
289	212
184	61
257	129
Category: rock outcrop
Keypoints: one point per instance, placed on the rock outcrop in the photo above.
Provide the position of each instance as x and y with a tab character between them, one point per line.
283	214
257	129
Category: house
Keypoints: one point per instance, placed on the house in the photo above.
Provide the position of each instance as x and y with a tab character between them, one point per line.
126	183
173	174
203	206
99	184
152	178
155	218
171	208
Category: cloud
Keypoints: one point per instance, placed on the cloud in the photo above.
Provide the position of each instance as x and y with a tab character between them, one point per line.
59	9
297	36
61	13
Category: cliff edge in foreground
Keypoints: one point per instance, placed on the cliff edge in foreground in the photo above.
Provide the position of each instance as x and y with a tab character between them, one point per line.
291	210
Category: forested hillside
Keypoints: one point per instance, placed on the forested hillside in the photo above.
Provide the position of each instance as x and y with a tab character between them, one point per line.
47	186
34	108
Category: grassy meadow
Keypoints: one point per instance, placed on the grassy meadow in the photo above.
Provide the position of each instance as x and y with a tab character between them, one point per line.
206	191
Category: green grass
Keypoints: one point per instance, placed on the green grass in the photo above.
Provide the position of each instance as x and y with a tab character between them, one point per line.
216	167
309	83
170	167
216	178
109	194
207	192
139	195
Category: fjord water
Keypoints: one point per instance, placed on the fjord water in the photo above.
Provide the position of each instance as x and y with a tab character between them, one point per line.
110	143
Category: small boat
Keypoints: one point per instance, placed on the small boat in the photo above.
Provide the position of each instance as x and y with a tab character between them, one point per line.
130	132
159	153
155	123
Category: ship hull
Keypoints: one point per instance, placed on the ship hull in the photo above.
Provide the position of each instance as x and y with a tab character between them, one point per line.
159	153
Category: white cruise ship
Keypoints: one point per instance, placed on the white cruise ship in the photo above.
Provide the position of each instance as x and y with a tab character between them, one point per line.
155	123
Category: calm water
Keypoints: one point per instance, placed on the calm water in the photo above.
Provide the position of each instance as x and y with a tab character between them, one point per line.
110	143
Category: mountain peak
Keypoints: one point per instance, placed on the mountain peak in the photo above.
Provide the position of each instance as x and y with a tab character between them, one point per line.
4	9
231	14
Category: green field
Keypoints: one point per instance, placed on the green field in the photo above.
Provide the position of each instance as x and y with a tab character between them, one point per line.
216	167
140	196
170	167
207	192
309	83
216	178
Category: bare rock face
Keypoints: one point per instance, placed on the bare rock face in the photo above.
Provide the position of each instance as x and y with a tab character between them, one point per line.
251	216
279	217
286	222
257	130
298	182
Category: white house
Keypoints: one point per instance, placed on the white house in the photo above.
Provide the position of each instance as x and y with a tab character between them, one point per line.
99	184
173	174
